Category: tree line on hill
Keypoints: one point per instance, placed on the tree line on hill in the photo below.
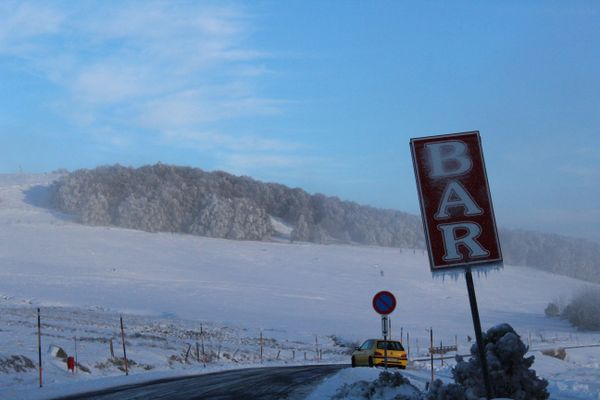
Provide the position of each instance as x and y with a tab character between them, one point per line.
171	198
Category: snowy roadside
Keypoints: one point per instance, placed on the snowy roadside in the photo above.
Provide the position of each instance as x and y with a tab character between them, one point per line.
577	377
157	348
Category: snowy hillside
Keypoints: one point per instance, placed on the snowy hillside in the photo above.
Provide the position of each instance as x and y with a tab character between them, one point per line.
290	292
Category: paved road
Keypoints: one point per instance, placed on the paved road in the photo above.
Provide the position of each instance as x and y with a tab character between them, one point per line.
292	383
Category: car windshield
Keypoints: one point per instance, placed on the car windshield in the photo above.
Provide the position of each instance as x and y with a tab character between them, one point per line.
397	346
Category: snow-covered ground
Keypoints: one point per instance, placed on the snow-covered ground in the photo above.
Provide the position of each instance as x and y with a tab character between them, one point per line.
167	285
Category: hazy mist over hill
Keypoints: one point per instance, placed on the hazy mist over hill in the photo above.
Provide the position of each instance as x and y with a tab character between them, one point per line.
217	204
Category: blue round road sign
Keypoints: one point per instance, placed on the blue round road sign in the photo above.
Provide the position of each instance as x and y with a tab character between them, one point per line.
384	302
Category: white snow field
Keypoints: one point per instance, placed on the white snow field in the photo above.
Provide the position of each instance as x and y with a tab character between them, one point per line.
167	285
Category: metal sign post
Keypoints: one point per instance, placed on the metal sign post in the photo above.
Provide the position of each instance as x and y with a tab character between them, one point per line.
477	326
384	332
458	216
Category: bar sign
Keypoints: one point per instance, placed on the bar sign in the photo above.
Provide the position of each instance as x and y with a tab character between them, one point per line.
456	206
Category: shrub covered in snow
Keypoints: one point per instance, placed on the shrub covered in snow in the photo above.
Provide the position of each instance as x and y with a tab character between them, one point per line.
509	369
584	309
552	310
387	386
15	363
440	391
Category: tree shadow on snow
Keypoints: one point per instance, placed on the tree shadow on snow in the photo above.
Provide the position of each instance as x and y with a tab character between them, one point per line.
40	196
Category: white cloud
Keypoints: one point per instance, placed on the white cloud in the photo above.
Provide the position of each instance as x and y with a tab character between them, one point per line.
108	83
21	21
251	144
192	107
250	161
581	171
172	70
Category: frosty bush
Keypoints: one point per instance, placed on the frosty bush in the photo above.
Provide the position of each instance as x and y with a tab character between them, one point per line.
387	386
440	391
584	309
552	310
15	363
508	367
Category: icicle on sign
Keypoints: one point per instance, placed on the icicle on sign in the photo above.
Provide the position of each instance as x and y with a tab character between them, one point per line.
456	206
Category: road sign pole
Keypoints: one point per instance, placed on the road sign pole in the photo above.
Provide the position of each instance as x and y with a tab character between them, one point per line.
384	330
478	337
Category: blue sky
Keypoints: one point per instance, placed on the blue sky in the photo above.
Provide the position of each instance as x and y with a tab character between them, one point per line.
320	95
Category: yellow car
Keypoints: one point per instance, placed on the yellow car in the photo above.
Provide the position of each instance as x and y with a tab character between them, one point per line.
372	353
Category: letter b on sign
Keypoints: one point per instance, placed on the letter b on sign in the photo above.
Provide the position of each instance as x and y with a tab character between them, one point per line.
449	158
456	206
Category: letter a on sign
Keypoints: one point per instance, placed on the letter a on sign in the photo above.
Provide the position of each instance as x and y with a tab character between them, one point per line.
456	206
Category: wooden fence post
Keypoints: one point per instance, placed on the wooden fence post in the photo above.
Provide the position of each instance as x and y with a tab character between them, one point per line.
431	351
124	350
202	344
456	344
39	324
197	350
75	367
187	353
261	347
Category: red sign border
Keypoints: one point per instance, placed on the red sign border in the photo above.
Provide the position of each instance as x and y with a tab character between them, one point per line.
381	293
481	263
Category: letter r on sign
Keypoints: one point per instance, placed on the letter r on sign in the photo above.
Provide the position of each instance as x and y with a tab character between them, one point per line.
468	240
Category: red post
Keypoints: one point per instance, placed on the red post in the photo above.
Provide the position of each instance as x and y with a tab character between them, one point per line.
71	364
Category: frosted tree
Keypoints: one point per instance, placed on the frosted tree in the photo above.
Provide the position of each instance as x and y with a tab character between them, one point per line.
301	232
